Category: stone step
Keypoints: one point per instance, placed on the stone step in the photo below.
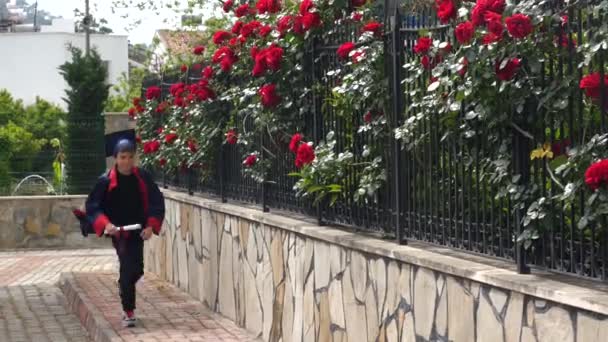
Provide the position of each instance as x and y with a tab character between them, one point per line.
164	312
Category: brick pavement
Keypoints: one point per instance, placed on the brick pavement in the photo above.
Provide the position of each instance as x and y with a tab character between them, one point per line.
31	305
165	313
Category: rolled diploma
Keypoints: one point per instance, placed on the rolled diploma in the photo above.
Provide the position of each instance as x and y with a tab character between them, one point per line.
130	227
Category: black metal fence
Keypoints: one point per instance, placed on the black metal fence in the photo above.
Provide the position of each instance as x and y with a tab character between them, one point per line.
434	196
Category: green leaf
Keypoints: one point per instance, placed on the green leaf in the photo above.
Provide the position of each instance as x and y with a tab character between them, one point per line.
294	174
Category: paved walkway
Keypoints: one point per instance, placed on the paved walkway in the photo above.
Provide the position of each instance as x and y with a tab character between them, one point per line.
32	307
164	312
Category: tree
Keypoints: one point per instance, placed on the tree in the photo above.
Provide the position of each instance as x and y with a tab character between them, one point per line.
127	89
86	96
96	26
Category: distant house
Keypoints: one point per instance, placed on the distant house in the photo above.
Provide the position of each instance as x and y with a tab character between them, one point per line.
30	59
172	47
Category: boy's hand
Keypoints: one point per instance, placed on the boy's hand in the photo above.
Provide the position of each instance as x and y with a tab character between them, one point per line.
111	229
146	233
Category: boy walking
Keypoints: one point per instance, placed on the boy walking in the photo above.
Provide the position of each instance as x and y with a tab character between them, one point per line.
126	195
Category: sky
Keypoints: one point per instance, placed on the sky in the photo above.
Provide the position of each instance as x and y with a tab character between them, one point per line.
143	33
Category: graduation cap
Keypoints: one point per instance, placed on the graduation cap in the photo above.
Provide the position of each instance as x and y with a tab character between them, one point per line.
112	140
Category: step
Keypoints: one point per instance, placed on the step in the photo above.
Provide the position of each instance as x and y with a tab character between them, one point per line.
164	312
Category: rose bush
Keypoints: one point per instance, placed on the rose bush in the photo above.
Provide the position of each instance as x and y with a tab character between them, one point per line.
253	87
510	51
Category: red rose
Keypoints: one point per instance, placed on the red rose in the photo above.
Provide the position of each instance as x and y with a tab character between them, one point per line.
465	66
265	30
198	50
254	51
151	146
519	25
423	45
446	48
494	23
446	10
269	58
490	38
273	56
242	10
311	20
367	118
250	160
208	72
464	32
162	107
136	101
358	3
597	174
357	16
226	64
564	41
162	162
358	56
228	5
268	96
298	25
284	24
250	28
184	68
478	14
592	86
226	57
197	67
373	27
426	62
170	138
192	146
177	89
345	49
430	62
295	142
306	6
132	112
152	93
159	130
305	155
268	6
236	28
509	70
220	37
138	139
231	137
564	20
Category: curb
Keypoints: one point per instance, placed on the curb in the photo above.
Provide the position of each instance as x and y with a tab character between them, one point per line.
91	318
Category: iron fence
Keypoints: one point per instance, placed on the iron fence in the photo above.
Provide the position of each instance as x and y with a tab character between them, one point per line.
433	196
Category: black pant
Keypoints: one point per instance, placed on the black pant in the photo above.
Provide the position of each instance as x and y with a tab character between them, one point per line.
130	253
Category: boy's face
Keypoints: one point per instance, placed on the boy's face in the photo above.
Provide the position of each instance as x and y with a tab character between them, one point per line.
125	161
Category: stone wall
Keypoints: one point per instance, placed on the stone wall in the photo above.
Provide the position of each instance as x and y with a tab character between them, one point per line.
287	280
43	222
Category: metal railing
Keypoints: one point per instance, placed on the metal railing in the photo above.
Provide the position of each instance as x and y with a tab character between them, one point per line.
435	197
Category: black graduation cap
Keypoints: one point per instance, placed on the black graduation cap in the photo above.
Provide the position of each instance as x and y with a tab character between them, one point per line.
113	138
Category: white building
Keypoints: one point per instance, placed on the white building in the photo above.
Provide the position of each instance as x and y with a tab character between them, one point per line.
29	61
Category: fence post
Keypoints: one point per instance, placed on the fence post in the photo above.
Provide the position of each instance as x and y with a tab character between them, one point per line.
221	173
190	177
521	159
264	183
316	120
396	47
